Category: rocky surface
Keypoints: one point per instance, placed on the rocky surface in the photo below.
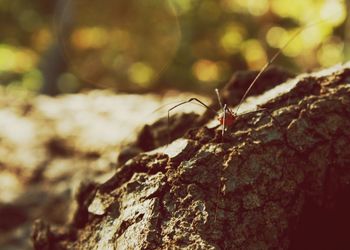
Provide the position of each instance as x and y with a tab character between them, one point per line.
50	148
276	180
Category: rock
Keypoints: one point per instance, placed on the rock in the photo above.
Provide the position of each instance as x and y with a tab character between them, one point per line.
251	189
49	146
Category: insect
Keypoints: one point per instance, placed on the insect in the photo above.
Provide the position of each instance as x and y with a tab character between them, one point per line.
226	116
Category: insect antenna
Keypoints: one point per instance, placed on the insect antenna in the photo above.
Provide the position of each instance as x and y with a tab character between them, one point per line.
219	98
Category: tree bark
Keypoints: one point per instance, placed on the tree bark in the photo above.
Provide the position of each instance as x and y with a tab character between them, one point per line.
277	180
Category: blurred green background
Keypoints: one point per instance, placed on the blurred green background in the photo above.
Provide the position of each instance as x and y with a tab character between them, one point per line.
65	46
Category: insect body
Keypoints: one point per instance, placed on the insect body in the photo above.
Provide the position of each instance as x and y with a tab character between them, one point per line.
227	119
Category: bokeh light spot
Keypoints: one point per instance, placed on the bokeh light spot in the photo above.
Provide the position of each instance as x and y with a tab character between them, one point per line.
231	39
16	59
254	54
206	71
7	58
89	38
331	53
104	40
33	80
10	187
257	8
275	36
141	74
294	48
26	60
312	36
42	39
334	11
298	9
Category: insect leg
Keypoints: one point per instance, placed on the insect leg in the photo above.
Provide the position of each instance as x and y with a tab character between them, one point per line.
182	103
224	121
219	98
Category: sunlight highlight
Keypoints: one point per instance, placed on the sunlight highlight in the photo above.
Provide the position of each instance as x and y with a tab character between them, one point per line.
232	38
89	38
331	53
254	54
206	70
16	59
275	36
334	11
141	74
257	8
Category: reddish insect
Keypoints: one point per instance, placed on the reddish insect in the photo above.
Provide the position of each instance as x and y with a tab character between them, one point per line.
225	116
227	119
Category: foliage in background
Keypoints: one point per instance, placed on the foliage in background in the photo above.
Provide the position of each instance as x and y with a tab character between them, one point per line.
66	45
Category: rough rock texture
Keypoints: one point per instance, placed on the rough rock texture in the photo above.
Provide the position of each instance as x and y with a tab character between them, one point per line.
48	146
272	182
